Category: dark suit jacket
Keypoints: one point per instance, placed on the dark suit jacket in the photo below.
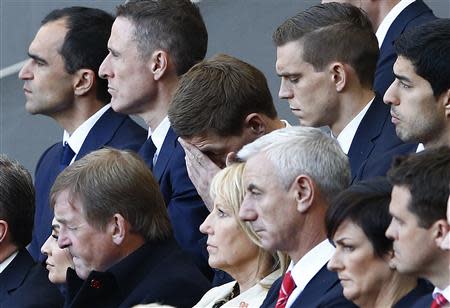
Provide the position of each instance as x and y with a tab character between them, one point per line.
423	302
24	284
414	14
423	288
324	290
157	272
375	143
112	130
185	207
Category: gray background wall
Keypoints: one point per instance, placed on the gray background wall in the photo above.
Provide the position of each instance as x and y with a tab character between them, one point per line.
241	28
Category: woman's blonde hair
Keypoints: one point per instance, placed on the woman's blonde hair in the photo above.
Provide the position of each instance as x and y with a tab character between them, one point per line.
228	186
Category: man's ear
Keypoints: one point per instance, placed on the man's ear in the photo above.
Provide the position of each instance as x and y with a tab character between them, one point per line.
84	81
304	190
255	124
3	230
339	75
118	228
446	102
440	230
159	62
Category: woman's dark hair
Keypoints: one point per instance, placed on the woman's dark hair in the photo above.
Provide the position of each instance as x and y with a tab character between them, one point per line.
365	204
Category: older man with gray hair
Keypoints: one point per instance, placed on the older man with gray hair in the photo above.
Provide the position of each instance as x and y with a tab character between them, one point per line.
291	176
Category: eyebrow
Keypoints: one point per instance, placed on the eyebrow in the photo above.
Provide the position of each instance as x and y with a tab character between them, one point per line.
402	78
340	240
287	74
55	227
37	58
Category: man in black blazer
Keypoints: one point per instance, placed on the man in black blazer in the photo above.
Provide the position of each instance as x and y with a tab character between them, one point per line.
22	282
326	58
152	44
61	81
290	177
115	224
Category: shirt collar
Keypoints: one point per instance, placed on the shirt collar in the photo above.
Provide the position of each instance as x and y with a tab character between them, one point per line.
7	261
389	20
77	138
346	136
445	292
310	264
159	134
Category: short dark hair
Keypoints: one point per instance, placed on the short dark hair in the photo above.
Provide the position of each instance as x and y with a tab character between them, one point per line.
333	32
427	46
86	41
110	181
16	201
176	26
426	175
216	95
365	204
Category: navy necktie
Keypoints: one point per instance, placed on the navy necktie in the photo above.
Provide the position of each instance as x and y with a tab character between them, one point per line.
147	152
67	156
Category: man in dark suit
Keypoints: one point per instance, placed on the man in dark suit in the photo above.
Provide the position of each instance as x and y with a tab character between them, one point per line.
61	81
390	18
419	97
419	223
152	44
285	203
22	282
114	222
332	86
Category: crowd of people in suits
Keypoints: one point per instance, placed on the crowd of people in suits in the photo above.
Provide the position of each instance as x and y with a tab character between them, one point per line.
221	203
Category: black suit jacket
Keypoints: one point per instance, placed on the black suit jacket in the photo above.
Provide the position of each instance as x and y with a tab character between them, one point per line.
185	207
375	143
409	300
113	130
25	284
414	14
423	302
157	272
324	290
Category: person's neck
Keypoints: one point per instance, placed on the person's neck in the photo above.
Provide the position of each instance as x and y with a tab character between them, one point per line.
379	14
440	139
351	103
392	290
158	109
6	250
249	274
439	273
81	110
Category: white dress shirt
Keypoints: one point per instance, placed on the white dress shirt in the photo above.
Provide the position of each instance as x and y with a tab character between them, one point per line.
445	292
7	261
346	136
158	136
77	138
307	267
389	19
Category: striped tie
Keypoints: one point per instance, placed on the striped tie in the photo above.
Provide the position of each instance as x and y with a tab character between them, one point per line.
287	286
439	301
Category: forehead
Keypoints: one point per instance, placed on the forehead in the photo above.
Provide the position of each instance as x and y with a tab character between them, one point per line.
350	230
67	208
400	198
122	33
210	141
254	174
49	37
289	57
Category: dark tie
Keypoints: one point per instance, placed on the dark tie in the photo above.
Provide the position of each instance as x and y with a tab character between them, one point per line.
439	301
147	152
66	156
287	286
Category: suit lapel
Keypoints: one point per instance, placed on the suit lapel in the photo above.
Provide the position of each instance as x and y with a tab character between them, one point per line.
14	275
102	132
323	281
167	149
368	131
413	10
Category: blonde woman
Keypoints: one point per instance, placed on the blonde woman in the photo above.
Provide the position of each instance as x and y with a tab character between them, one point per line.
235	248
